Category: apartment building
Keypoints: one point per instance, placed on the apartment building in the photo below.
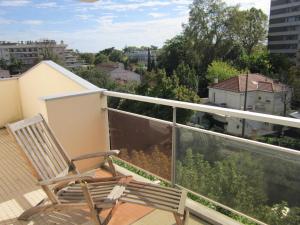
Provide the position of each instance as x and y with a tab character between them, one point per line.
31	52
284	28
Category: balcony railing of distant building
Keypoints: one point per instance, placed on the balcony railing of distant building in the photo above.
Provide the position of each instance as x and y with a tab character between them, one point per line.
243	176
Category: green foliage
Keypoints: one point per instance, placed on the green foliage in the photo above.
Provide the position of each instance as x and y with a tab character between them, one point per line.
221	71
3	64
172	54
48	54
187	76
237	188
149	65
215	32
247	28
15	66
288	142
158	84
100	58
116	56
96	77
88	58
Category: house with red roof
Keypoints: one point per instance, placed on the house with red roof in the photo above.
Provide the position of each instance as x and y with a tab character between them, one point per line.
264	95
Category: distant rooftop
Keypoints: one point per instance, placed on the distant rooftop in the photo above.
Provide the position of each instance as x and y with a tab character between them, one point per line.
256	82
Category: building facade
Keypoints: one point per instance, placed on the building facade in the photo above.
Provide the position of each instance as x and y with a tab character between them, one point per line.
284	29
264	95
31	52
141	56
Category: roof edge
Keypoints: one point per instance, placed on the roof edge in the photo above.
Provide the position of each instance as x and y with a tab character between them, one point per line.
70	75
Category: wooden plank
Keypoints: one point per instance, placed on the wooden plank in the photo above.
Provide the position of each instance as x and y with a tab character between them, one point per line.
31	155
116	193
176	197
53	138
49	165
151	201
156	189
76	193
144	203
24	123
154	196
46	147
182	202
156	186
24	154
52	145
38	152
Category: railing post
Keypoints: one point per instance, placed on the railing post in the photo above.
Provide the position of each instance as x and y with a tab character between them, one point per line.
173	159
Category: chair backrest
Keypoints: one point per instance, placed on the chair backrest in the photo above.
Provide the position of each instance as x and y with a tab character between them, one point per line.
41	148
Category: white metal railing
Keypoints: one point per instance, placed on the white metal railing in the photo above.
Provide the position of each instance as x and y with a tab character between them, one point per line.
260	117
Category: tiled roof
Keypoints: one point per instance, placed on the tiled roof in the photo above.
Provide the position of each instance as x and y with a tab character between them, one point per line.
256	82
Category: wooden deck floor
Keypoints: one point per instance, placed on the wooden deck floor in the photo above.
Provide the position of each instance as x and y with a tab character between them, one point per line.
18	192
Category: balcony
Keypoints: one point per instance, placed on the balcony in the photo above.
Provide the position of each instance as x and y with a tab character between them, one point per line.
242	178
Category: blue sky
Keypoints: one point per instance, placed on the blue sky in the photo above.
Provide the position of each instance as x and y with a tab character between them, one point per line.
105	23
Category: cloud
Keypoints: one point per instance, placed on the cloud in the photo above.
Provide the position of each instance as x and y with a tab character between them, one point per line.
4	21
46	5
84	16
14	3
157	15
246	4
32	22
119	7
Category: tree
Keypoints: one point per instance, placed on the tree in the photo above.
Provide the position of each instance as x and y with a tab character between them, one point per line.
158	84
15	66
88	58
100	58
3	64
187	76
149	68
116	56
172	54
47	53
257	62
248	28
221	71
207	31
96	77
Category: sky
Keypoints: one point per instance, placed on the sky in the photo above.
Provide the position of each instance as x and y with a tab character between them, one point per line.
90	27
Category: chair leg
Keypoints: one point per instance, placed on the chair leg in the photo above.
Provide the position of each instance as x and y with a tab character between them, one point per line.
111	213
186	217
184	220
95	217
34	210
177	219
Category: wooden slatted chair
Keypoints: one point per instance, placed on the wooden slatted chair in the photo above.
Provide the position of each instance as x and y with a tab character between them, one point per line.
49	163
51	166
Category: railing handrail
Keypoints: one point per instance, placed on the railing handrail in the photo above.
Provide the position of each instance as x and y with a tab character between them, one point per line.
261	117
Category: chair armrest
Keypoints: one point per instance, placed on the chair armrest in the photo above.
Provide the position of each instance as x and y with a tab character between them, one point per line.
96	154
65	179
